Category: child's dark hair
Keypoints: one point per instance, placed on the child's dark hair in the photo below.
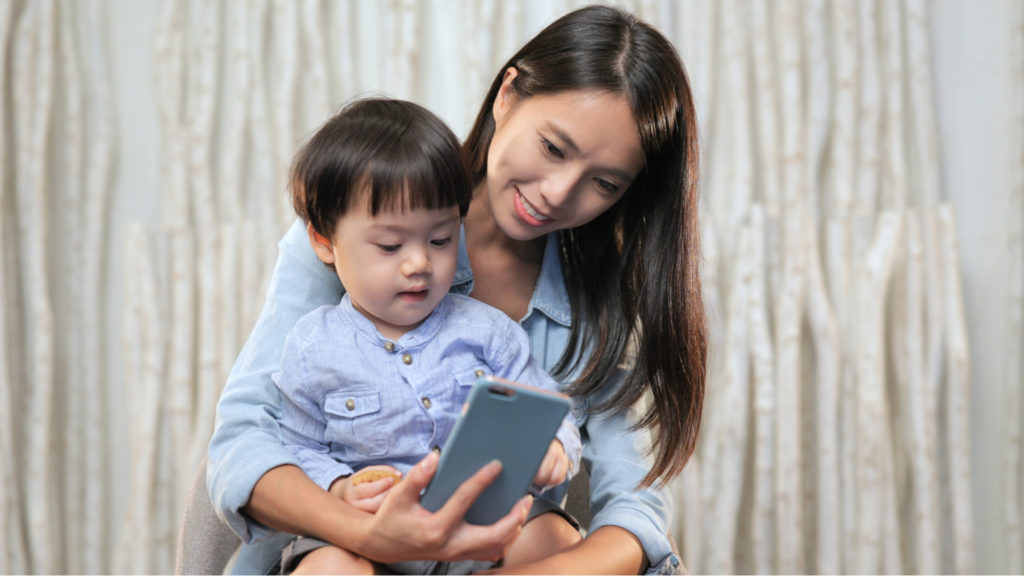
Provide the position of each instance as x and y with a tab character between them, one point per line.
403	155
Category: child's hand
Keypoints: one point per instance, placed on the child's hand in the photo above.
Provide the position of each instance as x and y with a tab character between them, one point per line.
363	491
555	466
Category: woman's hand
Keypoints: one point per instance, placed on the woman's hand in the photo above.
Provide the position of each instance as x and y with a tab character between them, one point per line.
286	499
554	467
366	496
404	530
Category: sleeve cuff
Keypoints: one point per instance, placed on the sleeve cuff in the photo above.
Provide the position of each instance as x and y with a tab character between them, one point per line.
661	555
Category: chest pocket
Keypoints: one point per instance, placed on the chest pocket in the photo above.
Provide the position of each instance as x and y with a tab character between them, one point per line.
466	376
355	425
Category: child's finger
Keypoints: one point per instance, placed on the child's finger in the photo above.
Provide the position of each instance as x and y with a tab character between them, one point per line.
561	470
545	471
370	504
371	489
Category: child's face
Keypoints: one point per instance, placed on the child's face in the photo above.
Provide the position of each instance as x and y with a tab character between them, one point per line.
396	266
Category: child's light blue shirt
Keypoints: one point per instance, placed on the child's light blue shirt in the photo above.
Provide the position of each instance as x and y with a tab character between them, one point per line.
352	398
247	439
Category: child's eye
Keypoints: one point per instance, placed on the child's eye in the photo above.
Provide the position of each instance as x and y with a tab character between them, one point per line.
552	149
442	242
607	186
389	248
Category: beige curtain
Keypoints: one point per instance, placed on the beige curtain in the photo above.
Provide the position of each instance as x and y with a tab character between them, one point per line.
837	434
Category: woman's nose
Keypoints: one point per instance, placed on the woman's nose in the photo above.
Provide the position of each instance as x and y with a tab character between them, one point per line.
558	188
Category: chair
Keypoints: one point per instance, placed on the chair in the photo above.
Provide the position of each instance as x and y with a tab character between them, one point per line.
205	543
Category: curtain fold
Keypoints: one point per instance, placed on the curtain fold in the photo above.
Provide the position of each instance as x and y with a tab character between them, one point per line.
837	434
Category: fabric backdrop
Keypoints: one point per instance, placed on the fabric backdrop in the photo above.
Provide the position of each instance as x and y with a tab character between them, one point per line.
864	400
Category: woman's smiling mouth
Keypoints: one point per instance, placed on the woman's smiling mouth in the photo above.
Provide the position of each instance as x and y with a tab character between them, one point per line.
527	212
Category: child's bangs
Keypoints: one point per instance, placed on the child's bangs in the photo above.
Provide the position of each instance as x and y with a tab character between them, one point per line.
416	181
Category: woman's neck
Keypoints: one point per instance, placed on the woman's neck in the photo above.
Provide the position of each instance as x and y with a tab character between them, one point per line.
484	236
505	270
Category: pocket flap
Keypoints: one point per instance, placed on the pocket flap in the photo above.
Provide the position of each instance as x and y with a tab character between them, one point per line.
349	405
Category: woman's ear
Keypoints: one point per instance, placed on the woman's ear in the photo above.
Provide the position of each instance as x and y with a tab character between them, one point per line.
321	245
506	96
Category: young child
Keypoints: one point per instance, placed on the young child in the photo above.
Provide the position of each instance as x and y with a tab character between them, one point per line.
377	381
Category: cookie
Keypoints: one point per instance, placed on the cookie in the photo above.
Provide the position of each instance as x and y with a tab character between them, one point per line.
372	475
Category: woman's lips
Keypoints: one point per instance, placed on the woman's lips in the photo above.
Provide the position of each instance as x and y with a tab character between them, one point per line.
527	212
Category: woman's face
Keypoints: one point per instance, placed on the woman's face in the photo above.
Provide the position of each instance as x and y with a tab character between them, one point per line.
558	161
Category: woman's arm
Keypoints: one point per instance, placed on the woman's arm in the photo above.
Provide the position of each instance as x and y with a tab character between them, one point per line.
618	460
607	550
246	442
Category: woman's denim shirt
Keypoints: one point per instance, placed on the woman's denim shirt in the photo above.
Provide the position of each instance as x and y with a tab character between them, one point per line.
246	441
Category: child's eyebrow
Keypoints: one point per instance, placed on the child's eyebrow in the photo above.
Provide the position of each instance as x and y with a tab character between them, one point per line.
395	227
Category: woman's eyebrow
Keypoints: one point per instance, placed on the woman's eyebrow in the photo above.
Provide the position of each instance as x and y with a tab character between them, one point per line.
562	135
568	142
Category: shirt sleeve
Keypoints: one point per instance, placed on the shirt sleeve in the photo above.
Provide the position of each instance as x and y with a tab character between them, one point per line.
618	461
246	441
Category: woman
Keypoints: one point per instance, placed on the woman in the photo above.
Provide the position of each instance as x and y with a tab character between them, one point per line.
583	226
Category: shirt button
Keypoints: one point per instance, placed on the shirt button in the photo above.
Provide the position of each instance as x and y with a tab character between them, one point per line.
350	404
389	346
426	402
479	373
407	358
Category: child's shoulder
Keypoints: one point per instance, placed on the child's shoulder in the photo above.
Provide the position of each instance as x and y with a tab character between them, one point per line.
473	316
323	319
462	306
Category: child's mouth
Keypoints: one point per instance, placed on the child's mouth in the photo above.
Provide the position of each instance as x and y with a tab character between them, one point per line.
414	295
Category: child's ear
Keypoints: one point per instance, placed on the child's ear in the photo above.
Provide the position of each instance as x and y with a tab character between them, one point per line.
321	245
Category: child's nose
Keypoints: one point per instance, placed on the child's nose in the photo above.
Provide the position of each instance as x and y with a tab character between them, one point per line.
417	262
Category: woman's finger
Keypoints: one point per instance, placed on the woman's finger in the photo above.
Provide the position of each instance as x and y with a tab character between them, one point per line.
466	494
489	542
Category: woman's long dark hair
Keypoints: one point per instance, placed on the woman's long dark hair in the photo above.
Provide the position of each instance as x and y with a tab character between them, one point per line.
633	272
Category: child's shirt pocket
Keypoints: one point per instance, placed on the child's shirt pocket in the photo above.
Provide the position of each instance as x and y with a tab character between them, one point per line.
355	426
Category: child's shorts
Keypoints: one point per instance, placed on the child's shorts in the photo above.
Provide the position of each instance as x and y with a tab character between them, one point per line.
293	553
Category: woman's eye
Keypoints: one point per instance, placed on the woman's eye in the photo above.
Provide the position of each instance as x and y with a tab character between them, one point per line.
441	242
551	149
389	248
607	186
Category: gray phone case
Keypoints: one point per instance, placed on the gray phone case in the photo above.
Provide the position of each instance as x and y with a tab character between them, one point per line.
505	421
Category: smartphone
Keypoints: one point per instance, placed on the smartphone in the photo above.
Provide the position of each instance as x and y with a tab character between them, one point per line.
506	421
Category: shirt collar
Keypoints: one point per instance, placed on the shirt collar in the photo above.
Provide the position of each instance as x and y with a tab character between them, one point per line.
550	296
462	282
424	332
